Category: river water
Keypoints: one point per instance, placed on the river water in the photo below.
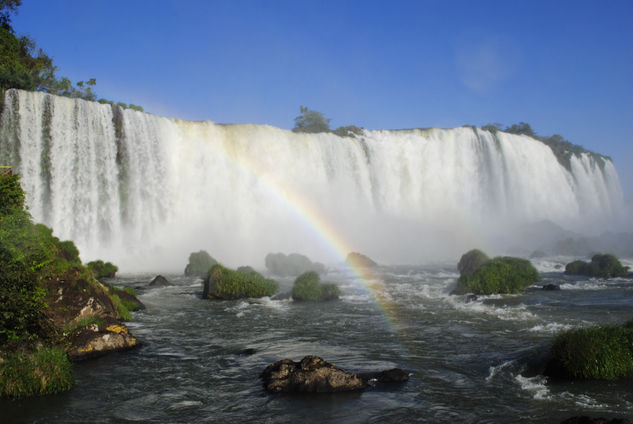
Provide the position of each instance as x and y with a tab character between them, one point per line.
470	362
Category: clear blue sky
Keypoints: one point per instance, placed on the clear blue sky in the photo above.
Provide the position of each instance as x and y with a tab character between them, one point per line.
563	66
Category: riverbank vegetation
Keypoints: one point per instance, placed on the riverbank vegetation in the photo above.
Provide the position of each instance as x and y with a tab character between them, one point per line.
26	67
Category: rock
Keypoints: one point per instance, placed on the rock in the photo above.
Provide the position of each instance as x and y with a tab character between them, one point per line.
159	281
92	341
601	266
313	374
551	287
307	287
587	420
471	298
358	260
227	284
291	265
199	264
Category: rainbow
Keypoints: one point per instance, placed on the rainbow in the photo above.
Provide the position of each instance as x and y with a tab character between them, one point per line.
309	216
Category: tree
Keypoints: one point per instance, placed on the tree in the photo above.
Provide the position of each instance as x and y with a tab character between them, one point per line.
7	8
521	128
311	121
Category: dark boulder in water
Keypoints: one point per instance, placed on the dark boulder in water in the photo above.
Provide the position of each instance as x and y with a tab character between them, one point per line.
551	287
159	281
314	375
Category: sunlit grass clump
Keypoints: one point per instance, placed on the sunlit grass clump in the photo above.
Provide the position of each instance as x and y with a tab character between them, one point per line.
595	353
500	275
308	288
225	283
43	372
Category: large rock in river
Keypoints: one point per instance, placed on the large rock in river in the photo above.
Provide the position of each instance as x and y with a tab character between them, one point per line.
313	374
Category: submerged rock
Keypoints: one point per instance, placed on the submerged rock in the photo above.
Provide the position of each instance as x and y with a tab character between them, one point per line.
159	281
315	375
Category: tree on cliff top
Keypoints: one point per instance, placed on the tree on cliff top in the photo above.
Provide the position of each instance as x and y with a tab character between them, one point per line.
311	121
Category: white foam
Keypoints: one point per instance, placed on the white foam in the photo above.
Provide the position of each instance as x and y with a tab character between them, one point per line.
534	385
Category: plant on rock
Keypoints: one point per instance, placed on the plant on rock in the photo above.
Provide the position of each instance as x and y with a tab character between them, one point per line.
102	269
199	263
603	353
225	283
308	288
601	266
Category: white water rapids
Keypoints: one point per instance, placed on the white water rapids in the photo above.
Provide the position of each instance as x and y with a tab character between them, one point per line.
144	191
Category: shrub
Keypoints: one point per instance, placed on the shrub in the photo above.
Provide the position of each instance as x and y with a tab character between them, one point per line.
471	261
308	288
11	194
224	283
603	353
601	266
102	269
500	275
199	263
44	372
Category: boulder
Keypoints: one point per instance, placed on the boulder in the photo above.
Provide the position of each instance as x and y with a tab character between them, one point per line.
159	281
551	287
313	374
291	265
199	264
94	340
358	260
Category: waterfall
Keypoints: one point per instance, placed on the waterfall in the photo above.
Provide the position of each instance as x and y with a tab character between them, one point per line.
144	191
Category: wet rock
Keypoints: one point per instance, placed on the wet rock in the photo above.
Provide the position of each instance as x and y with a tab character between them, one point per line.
471	298
551	287
313	374
358	260
159	281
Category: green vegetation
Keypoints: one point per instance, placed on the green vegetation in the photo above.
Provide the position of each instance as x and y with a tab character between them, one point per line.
25	67
308	288
311	121
85	323
562	149
199	263
122	308
500	275
603	353
601	266
102	269
225	283
471	261
43	372
130	291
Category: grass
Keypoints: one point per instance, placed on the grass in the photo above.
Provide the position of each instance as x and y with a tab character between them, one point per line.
501	275
225	283
44	372
595	353
308	288
124	311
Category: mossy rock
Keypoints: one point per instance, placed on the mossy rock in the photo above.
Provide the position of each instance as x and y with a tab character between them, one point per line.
102	269
199	264
227	284
46	371
471	261
501	275
308	288
291	265
595	353
601	266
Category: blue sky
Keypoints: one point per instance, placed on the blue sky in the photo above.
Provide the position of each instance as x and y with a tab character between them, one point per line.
563	66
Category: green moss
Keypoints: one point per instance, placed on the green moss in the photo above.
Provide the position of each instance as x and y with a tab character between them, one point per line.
500	275
44	372
603	353
225	283
199	263
102	269
471	261
308	288
124	312
130	291
601	266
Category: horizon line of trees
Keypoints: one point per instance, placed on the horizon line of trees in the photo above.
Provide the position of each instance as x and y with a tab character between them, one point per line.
25	67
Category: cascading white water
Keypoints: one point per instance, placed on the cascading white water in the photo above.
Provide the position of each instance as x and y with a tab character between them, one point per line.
144	191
